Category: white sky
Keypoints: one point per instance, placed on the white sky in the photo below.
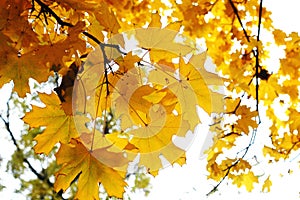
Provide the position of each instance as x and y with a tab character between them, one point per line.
189	182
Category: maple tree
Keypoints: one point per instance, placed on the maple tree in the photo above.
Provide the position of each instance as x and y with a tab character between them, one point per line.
126	79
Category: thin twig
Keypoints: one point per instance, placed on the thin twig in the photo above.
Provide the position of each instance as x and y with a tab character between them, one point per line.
259	19
235	163
114	46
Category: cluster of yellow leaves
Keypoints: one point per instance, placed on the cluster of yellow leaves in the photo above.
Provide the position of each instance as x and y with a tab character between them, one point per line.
151	102
162	107
228	28
39	37
283	144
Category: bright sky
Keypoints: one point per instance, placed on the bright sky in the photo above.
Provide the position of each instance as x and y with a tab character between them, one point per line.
189	182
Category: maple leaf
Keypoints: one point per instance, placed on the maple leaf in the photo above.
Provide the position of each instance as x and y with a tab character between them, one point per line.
60	127
276	154
107	19
190	89
246	120
215	171
155	20
242	165
153	105
231	104
247	179
150	111
107	148
58	53
77	160
279	36
161	39
20	69
155	139
267	185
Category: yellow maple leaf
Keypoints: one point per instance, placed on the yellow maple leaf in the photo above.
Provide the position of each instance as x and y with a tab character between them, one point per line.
267	185
142	100
155	20
247	179
193	77
231	104
77	160
216	172
276	154
155	140
148	113
162	39
242	165
60	127
279	36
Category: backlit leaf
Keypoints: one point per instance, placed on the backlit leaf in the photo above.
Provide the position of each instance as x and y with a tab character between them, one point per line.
60	127
77	160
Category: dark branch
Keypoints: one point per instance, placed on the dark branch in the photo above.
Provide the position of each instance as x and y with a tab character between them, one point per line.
257	66
236	12
257	59
103	45
259	19
45	9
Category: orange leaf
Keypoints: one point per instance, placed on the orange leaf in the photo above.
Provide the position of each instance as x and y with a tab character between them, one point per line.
20	69
246	120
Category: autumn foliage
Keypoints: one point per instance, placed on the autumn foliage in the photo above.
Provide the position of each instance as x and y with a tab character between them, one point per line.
112	102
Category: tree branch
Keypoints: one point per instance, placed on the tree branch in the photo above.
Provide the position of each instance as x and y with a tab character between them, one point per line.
45	9
40	176
235	163
257	66
257	59
236	12
259	19
255	52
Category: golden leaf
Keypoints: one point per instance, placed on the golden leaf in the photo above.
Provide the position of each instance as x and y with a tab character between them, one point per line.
245	179
267	185
20	69
60	127
77	160
245	120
